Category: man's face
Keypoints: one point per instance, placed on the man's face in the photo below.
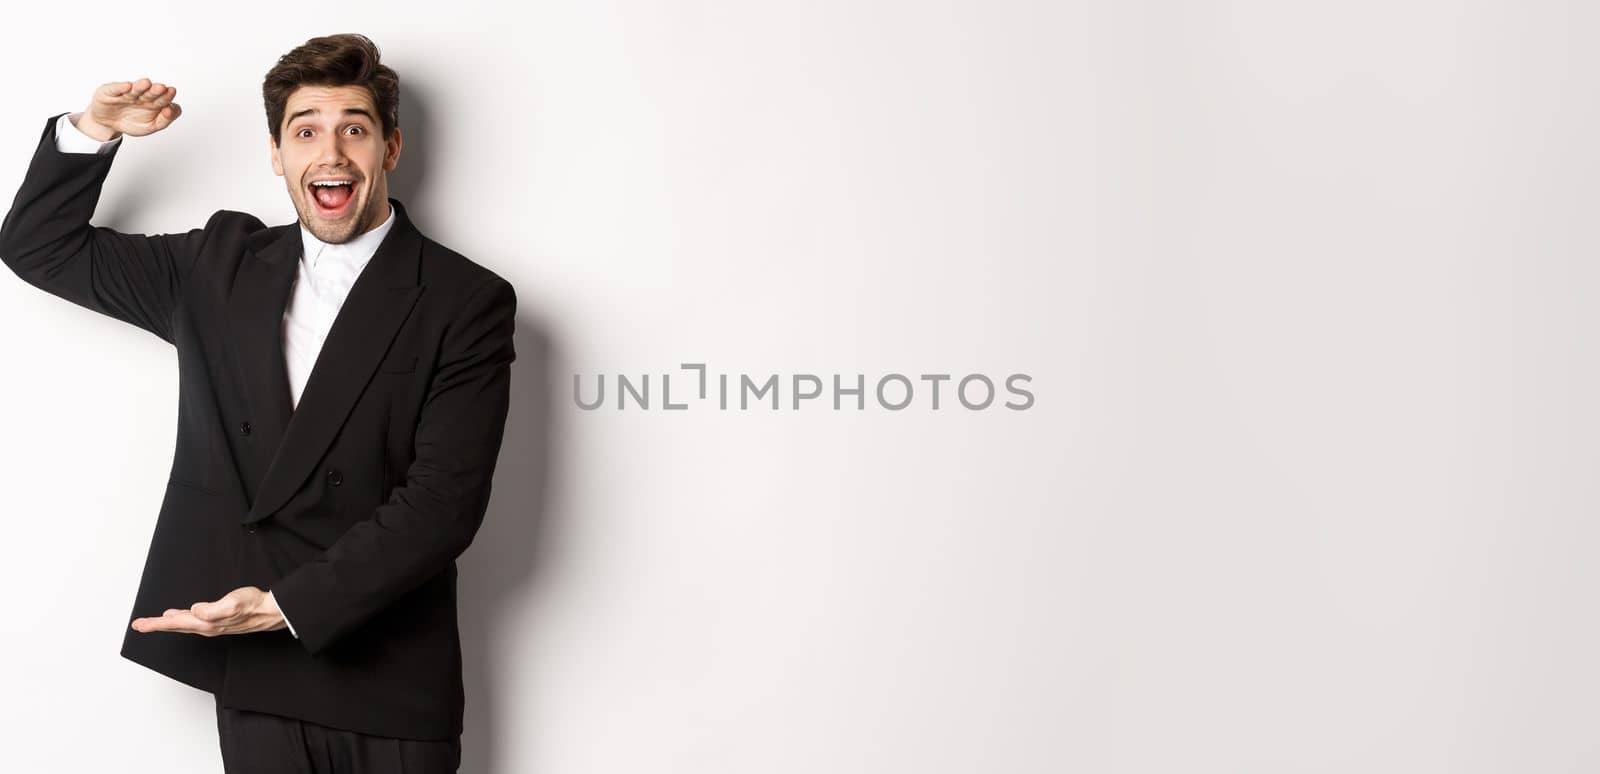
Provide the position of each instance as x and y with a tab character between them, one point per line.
333	133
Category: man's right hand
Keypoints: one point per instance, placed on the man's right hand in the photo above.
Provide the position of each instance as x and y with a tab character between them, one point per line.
134	108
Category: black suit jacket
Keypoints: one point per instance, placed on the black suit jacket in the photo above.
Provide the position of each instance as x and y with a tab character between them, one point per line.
351	507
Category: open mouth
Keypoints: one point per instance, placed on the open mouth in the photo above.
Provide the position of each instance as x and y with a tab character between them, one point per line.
332	197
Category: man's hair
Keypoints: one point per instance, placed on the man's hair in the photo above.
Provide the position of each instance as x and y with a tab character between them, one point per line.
334	60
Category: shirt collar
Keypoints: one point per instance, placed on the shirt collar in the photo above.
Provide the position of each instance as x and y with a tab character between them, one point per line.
358	250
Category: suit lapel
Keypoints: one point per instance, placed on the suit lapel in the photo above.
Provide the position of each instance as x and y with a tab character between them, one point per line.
379	302
256	302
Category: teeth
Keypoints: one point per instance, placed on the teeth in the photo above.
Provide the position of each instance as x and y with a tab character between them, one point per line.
332	182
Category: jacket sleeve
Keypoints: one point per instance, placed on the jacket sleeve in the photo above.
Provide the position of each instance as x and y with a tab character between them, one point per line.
46	239
431	518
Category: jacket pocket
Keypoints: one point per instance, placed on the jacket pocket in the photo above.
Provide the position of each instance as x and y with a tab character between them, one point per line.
399	364
175	481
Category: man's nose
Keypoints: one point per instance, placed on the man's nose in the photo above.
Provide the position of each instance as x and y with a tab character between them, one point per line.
330	152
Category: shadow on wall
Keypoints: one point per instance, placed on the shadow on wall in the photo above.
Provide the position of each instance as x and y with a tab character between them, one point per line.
406	182
497	571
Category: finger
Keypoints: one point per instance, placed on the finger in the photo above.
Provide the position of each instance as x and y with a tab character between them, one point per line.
168	93
116	88
139	88
167	115
171	611
181	622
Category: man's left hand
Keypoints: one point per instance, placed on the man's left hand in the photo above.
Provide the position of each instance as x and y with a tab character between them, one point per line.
242	611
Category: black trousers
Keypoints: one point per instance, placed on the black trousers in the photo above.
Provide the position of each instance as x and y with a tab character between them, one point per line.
259	743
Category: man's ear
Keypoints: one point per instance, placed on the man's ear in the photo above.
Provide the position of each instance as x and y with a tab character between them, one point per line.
391	151
277	161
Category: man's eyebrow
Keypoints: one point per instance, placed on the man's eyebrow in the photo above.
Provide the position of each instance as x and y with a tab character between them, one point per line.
355	111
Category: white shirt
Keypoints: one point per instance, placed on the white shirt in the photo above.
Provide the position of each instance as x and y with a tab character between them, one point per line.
322	281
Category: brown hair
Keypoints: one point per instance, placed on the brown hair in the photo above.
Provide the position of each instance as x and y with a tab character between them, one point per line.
335	60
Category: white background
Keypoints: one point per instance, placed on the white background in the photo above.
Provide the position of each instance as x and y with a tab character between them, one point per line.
1304	289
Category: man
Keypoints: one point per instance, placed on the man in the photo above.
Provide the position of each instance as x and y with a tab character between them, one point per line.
343	388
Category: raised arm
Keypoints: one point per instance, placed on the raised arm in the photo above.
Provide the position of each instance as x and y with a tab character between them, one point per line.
47	240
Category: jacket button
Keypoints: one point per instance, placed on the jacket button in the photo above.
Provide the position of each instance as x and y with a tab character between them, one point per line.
250	528
244	428
335	477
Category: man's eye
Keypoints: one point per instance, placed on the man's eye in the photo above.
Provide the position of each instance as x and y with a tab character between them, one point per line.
357	128
302	132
